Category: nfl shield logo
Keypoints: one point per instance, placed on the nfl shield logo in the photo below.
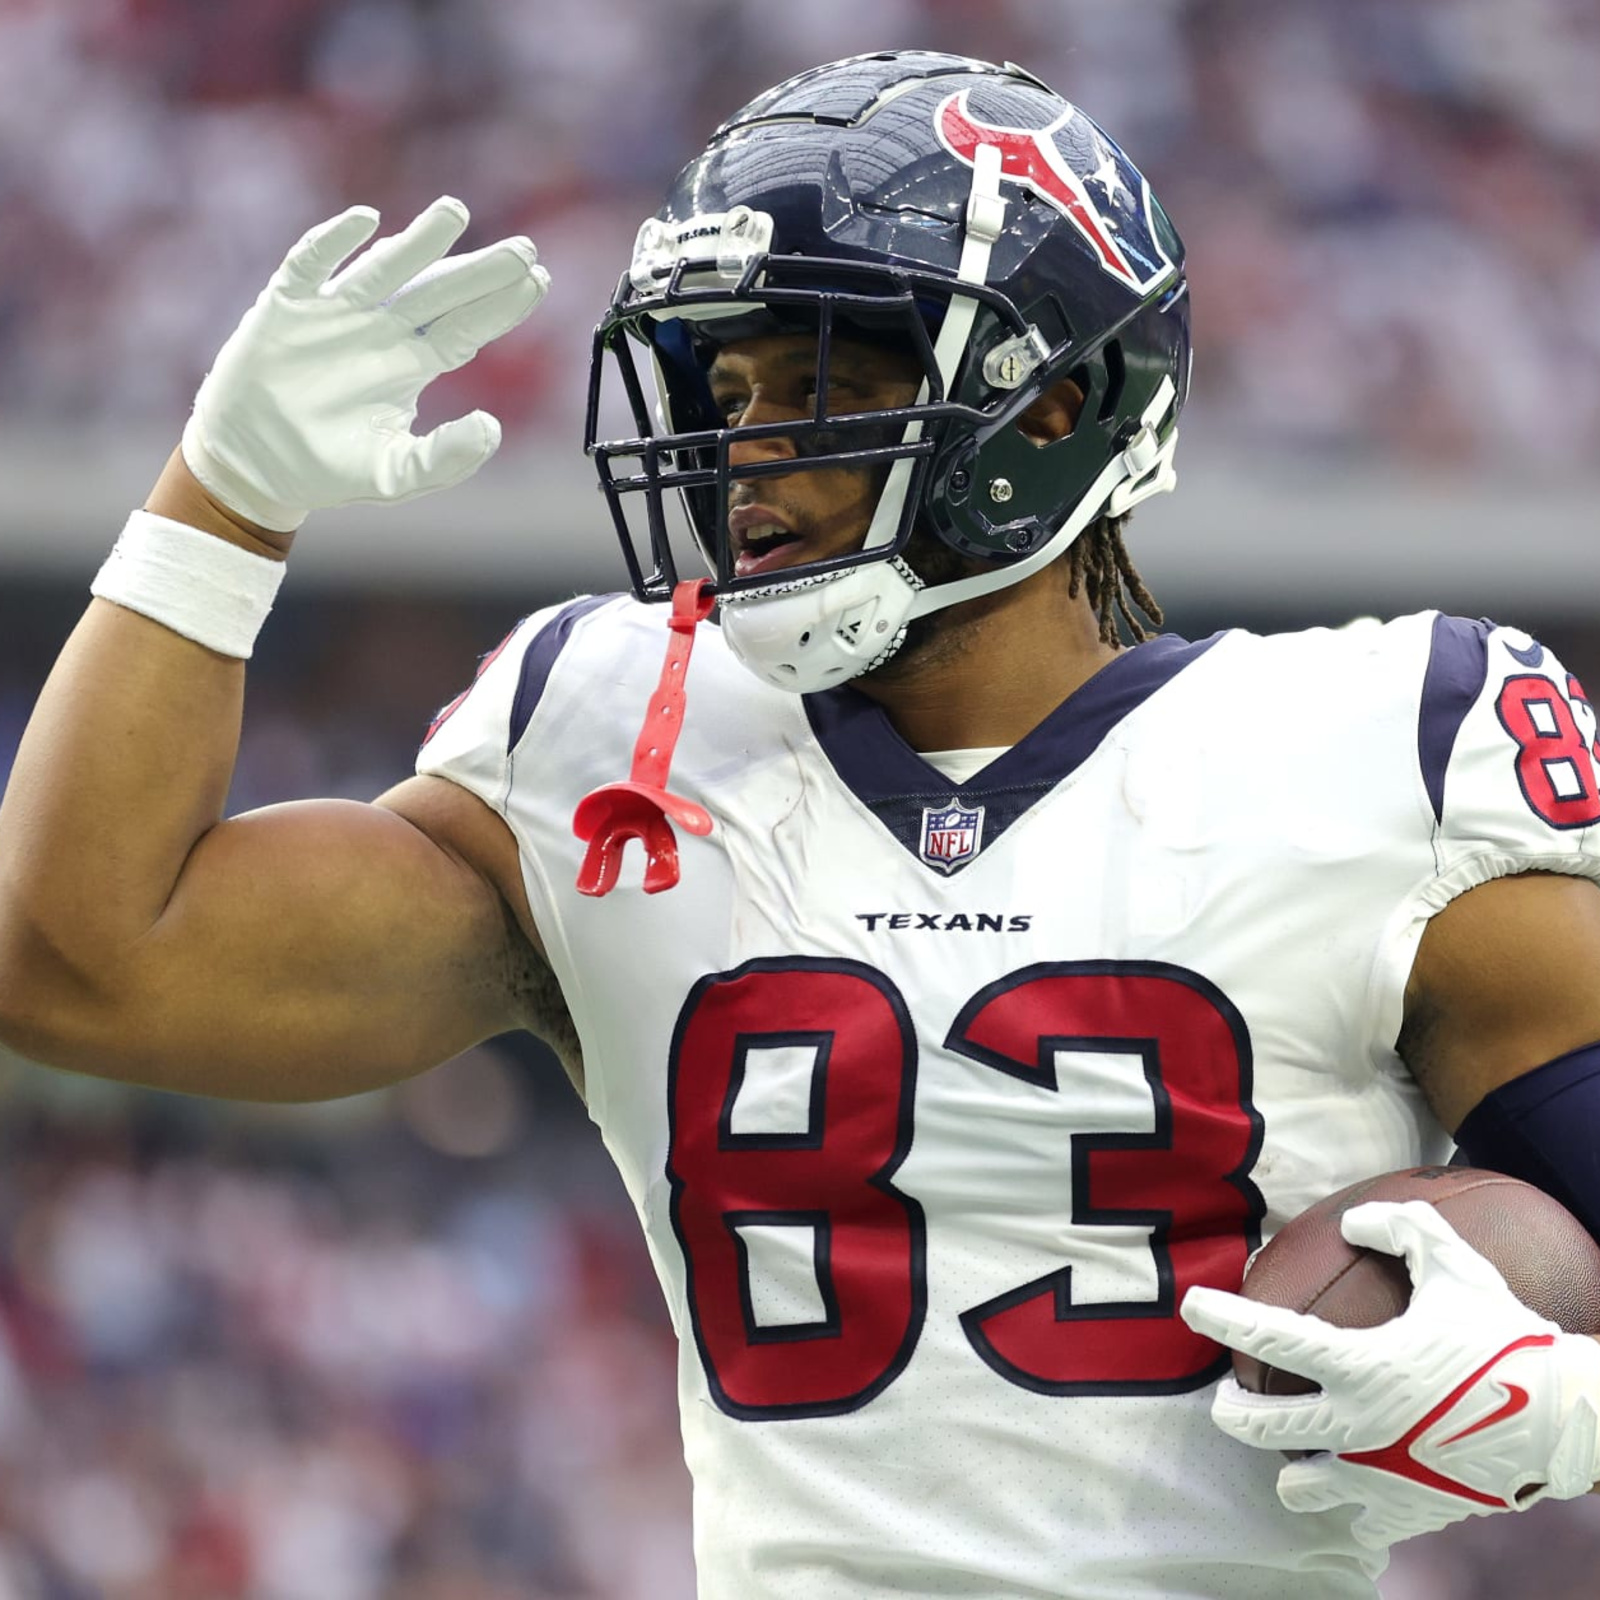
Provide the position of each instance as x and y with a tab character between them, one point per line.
951	835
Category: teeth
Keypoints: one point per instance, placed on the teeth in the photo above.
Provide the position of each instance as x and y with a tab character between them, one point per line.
760	538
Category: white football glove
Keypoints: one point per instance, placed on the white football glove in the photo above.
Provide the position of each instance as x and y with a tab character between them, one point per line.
310	402
1466	1404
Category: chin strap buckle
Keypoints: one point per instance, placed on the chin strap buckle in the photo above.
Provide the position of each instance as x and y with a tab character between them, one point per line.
1146	460
639	808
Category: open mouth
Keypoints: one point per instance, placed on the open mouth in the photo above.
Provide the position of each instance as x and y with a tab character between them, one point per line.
761	540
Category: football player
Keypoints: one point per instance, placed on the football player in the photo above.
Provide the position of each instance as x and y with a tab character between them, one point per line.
964	982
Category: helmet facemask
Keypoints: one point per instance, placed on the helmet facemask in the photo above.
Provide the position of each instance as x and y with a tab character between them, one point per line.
681	449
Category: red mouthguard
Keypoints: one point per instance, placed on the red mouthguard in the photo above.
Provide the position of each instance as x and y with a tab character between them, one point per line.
638	809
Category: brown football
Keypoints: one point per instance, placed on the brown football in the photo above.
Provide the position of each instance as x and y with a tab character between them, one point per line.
1545	1254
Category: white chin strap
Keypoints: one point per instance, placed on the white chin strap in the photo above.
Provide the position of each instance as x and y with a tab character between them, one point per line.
820	631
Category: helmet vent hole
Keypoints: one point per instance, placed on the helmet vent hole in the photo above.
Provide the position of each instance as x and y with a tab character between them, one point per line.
1116	378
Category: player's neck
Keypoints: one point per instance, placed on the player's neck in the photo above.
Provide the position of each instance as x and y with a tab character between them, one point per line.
994	669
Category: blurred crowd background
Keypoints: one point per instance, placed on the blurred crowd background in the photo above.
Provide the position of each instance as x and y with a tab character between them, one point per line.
1371	191
409	1347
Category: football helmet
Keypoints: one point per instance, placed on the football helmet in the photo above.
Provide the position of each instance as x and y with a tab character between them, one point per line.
963	212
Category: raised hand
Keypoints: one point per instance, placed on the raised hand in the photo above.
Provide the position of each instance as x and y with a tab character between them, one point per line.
311	400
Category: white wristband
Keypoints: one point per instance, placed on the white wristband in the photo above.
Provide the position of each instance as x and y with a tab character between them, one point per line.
192	582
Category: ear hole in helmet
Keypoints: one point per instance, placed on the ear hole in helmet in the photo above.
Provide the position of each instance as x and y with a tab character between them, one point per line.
1054	414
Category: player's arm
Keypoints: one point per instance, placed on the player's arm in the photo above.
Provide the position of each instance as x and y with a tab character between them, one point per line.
1467	1402
1504	992
1507	978
301	951
304	950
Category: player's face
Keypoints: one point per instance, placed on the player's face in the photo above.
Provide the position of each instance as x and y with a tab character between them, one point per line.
809	514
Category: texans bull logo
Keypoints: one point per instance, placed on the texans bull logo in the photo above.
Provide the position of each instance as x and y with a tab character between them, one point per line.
1119	230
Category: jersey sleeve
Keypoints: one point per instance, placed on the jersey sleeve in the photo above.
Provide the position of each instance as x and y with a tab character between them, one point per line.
472	738
1506	753
1506	745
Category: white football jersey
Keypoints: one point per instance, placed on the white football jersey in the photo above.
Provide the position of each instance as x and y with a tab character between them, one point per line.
935	1098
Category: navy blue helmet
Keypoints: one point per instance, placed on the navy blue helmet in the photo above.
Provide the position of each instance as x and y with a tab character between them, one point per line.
961	211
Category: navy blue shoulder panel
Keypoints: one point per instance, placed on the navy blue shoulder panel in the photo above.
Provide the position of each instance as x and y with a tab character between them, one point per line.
539	659
1458	664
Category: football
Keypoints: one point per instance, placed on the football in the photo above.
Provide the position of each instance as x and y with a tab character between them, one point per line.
1547	1257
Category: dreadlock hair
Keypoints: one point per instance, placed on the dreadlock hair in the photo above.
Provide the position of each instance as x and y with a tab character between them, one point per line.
1100	566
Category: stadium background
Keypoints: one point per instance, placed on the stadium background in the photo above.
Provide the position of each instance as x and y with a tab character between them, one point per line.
408	1346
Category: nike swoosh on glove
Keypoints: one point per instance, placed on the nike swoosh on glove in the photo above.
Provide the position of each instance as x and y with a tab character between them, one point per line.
1467	1403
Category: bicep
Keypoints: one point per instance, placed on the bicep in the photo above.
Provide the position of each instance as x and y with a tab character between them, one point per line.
1506	978
309	950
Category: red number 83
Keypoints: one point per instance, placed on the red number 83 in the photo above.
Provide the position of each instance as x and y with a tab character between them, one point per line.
809	1184
1555	765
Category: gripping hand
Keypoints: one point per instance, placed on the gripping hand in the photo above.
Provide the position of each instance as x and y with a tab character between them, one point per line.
1466	1404
310	402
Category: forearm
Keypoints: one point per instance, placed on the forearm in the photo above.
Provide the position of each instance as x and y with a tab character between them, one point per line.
271	956
125	763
